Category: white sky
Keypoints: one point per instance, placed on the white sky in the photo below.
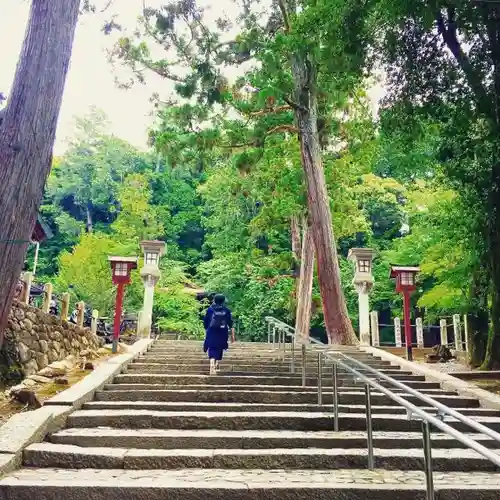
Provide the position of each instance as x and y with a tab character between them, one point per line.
91	78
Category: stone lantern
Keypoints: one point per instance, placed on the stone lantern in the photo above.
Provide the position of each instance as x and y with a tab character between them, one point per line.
363	283
150	274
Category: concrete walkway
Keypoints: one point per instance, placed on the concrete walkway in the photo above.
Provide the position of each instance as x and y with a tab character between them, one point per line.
166	429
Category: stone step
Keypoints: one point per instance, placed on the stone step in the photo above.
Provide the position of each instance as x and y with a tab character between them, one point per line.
300	421
76	457
230	355
179	362
214	395
255	377
251	370
192	406
235	387
243	439
237	484
169	380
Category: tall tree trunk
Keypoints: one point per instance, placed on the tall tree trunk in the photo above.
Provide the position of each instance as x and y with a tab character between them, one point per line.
27	132
90	224
304	289
492	357
295	235
337	321
478	317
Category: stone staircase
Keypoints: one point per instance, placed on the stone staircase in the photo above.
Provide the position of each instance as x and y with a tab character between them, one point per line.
166	429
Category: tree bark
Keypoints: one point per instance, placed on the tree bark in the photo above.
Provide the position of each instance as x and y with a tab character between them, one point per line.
478	317
337	322
296	243
27	132
492	357
90	224
305	284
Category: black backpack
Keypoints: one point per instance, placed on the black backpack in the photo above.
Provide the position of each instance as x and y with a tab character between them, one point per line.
219	318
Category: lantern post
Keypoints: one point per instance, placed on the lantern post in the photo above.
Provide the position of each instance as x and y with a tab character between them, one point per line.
405	284
150	274
363	283
121	268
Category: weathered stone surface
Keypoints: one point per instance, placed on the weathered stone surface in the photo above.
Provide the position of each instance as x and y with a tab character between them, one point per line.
212	484
9	462
44	345
40	379
30	367
26	428
37	338
42	359
24	355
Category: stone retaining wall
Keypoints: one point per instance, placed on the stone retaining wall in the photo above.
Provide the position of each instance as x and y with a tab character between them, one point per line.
34	339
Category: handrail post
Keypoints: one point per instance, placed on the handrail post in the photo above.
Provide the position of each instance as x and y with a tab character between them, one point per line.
304	375
292	365
429	480
320	379
369	428
335	398
274	336
268	332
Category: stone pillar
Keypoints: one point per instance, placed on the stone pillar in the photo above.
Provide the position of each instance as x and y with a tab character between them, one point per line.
397	332
47	298
364	313
374	329
457	332
444	332
28	280
93	325
420	333
146	318
65	306
80	307
466	333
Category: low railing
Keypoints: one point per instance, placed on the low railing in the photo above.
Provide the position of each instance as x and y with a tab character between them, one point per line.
280	330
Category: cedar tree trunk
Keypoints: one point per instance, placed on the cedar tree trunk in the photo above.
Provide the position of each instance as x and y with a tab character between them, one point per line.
304	289
27	132
337	322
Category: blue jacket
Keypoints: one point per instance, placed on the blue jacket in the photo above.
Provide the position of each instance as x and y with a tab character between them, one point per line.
216	338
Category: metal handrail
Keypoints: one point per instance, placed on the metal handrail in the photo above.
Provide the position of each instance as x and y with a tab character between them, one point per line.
427	418
443	409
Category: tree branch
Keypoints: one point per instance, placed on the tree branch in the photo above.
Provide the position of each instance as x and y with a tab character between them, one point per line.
284	13
278	109
449	33
283	128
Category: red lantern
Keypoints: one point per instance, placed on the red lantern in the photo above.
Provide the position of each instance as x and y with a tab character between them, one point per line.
405	284
121	267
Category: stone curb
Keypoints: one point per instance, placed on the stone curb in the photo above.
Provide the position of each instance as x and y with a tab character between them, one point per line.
448	382
27	428
84	391
24	429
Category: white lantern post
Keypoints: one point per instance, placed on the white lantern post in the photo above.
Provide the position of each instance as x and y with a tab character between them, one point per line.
363	283
150	274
